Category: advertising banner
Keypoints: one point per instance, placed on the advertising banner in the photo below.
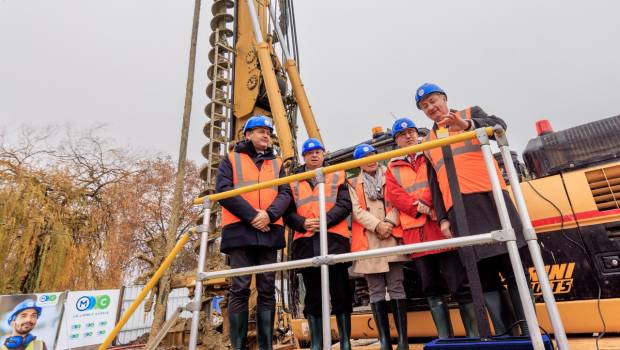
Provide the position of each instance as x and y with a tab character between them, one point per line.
89	318
30	320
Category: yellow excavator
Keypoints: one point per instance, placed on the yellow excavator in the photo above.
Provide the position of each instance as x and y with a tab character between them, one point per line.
570	178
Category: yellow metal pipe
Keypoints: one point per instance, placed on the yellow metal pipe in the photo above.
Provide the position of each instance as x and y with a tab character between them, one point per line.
346	165
132	308
283	128
302	100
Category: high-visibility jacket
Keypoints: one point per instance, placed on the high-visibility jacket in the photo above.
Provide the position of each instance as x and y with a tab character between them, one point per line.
469	163
246	173
413	179
414	182
33	345
359	240
307	202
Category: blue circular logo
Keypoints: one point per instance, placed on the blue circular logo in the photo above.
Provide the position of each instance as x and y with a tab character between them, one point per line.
85	303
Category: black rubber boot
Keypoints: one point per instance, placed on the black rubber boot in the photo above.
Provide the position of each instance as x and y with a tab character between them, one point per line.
264	329
500	310
238	330
441	316
399	310
316	332
344	330
513	291
380	314
468	316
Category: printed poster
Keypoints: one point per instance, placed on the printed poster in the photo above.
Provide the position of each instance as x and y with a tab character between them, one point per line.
30	319
89	317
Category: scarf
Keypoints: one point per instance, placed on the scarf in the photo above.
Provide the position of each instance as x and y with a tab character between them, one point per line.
373	185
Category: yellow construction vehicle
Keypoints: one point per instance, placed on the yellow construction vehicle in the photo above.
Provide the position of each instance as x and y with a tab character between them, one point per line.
571	178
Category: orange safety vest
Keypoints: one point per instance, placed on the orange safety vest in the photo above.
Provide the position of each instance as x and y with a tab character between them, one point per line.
307	201
413	182
246	173
359	240
469	163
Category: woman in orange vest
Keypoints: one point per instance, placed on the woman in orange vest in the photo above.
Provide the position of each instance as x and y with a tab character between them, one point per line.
375	226
440	271
475	187
253	229
303	217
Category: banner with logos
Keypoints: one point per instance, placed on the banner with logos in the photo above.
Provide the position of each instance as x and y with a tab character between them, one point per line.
89	318
27	318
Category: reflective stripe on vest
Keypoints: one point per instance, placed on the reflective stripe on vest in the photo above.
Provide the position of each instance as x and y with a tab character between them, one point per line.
243	181
414	183
307	202
246	173
469	163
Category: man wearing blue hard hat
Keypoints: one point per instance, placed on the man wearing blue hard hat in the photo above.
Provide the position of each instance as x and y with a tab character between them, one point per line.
474	187
440	271
253	228
22	320
303	217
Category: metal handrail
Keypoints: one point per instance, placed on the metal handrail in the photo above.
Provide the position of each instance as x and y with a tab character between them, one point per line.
469	135
506	234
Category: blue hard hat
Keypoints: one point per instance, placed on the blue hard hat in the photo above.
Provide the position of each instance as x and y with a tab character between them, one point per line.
363	150
24	305
425	90
401	124
258	121
310	145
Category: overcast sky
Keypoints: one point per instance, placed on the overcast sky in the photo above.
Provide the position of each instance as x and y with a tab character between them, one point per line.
124	63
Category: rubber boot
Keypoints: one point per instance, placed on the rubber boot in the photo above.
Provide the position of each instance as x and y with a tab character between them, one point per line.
468	316
513	291
264	329
380	314
238	330
399	310
441	316
344	330
316	332
500	310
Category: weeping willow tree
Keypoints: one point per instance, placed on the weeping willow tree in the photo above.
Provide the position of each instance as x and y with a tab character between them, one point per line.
81	214
57	213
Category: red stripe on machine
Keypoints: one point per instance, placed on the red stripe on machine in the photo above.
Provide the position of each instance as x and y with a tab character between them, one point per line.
571	218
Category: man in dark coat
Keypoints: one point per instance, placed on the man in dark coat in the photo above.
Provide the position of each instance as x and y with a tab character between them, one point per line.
253	229
304	220
481	210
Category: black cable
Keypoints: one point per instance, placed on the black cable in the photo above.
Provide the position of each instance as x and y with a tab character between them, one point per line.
516	323
588	256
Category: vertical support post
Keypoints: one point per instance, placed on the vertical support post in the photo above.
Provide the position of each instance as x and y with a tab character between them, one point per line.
532	242
511	244
325	313
204	236
273	91
298	87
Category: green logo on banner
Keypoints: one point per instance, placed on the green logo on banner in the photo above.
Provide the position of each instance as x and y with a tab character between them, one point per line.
103	302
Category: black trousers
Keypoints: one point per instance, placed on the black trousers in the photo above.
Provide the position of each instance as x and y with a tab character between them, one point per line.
442	273
492	268
265	282
339	290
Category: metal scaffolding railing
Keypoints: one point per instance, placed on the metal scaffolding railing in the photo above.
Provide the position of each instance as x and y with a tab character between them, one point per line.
505	235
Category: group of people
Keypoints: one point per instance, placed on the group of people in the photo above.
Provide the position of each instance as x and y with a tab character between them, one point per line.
409	201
